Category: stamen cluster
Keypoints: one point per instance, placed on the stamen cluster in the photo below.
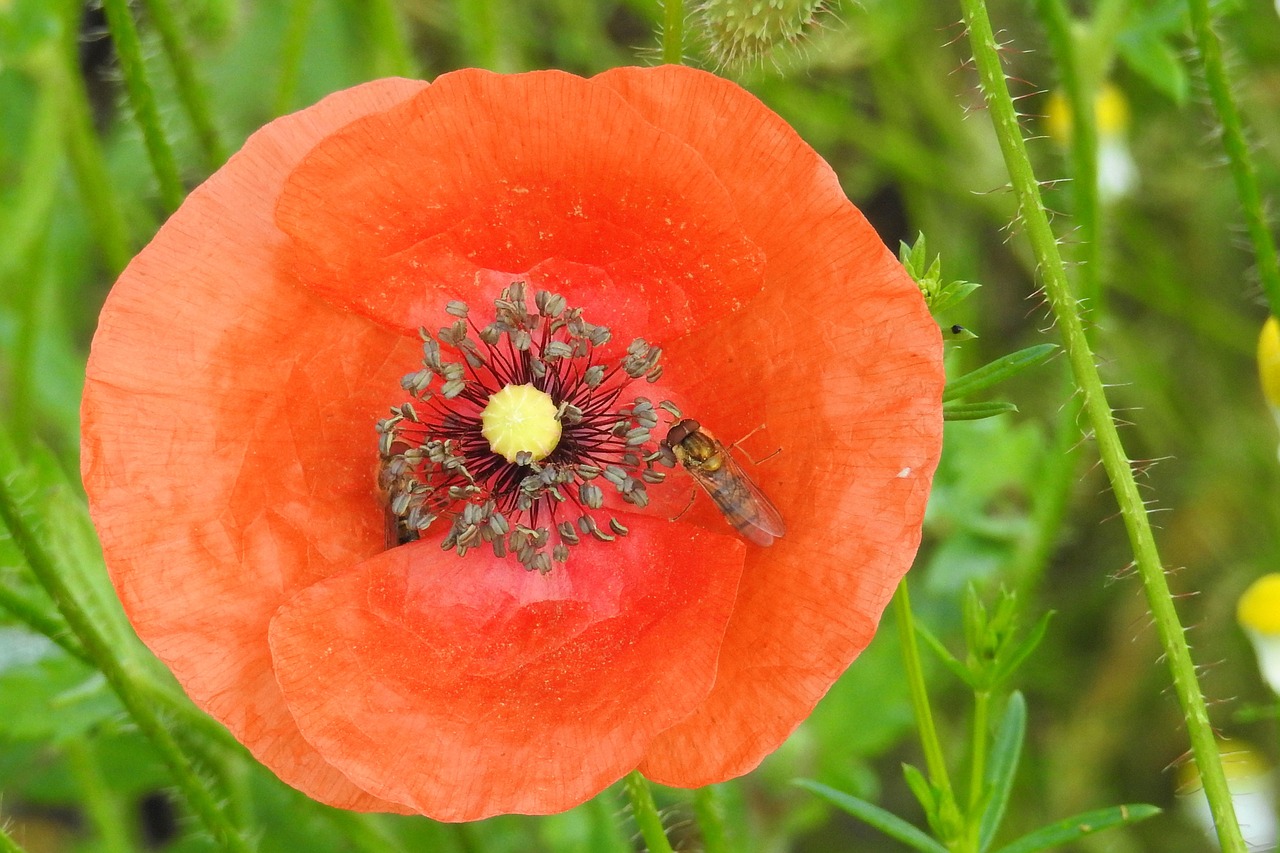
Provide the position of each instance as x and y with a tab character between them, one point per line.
435	463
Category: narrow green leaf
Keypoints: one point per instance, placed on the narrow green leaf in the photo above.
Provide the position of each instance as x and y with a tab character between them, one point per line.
997	371
923	790
872	815
976	623
1025	648
949	660
975	411
1074	828
913	257
1153	58
1005	754
952	294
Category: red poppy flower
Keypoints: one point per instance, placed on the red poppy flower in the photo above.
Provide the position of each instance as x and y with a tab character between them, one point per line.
245	357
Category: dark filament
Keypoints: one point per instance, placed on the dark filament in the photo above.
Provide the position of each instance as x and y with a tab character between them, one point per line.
437	466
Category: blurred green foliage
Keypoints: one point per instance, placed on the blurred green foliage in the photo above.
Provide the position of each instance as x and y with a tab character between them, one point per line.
883	91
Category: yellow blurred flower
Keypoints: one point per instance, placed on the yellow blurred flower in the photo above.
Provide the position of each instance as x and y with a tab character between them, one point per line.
1269	362
1117	172
1269	365
1252	785
1258	612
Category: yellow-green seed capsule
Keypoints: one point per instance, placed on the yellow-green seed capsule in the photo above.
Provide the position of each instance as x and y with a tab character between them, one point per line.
521	419
745	31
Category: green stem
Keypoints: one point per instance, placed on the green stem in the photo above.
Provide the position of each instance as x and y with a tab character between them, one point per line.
488	35
1081	91
1051	497
646	813
26	229
365	832
124	34
919	693
708	810
7	844
978	764
190	91
96	645
25	218
295	39
99	799
90	167
1233	142
33	616
673	32
391	56
1098	409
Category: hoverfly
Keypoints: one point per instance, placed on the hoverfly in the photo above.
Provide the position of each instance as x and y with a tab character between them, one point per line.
710	464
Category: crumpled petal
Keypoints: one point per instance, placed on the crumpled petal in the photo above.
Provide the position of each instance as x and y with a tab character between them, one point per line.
464	689
219	454
486	171
841	364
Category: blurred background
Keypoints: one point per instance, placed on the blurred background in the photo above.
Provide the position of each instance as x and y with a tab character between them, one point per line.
885	91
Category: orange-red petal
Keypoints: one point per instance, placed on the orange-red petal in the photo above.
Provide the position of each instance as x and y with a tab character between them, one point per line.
401	211
841	363
227	439
465	689
228	446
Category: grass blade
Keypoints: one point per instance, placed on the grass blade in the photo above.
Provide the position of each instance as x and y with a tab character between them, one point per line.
872	815
1005	754
1074	828
997	371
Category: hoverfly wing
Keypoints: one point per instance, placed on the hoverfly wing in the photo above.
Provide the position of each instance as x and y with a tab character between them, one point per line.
746	507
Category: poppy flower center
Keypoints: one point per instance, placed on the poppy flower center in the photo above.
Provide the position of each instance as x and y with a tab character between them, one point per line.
521	419
523	442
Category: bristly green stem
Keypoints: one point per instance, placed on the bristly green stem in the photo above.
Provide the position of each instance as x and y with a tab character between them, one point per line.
929	741
673	32
190	90
645	810
1098	409
90	167
112	666
7	844
100	800
708	810
30	614
1233	142
124	34
25	226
